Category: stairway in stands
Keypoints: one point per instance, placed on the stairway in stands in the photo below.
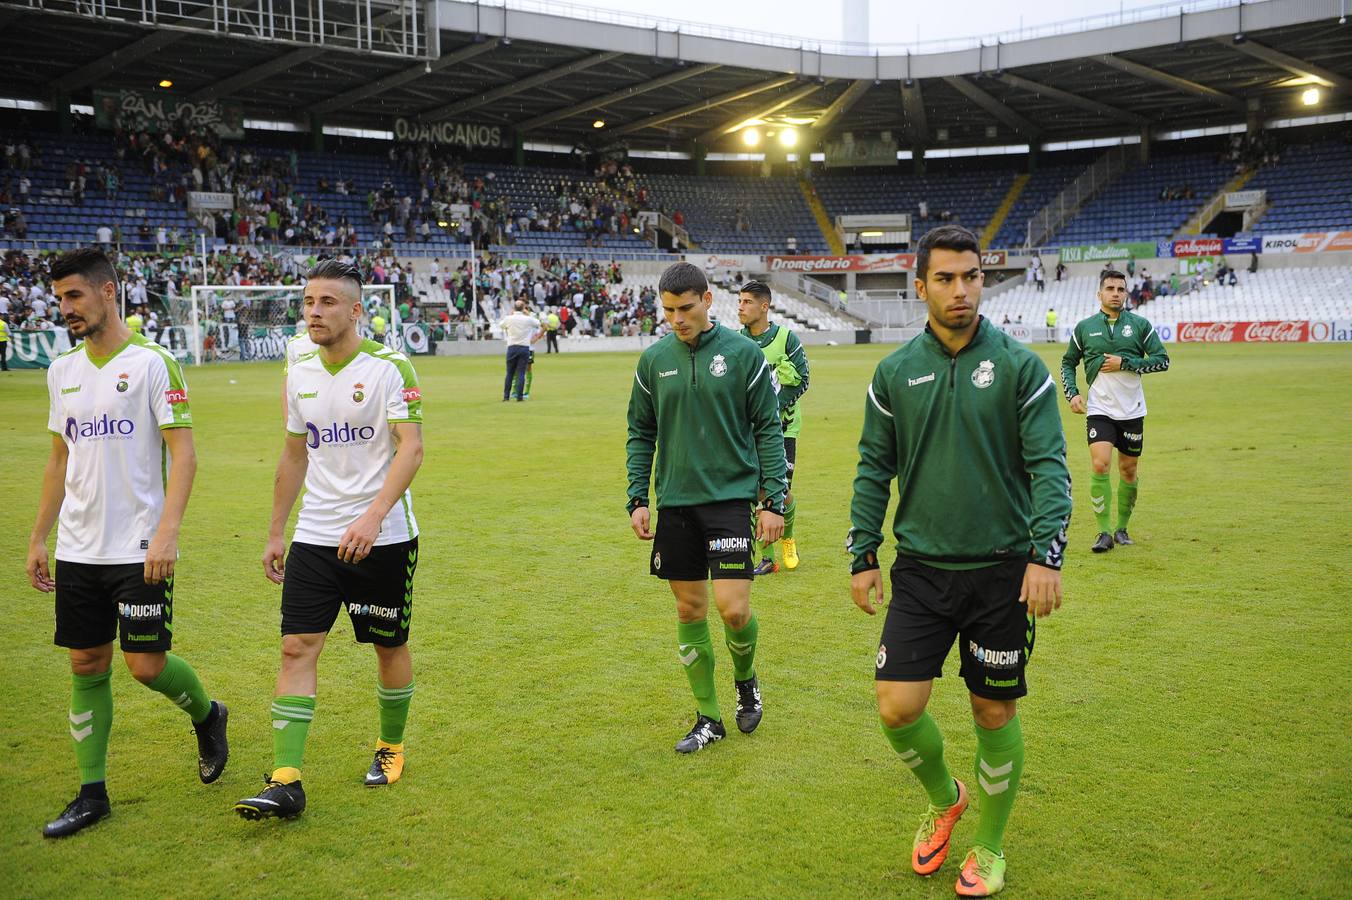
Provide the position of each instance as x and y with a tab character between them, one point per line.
1002	211
823	220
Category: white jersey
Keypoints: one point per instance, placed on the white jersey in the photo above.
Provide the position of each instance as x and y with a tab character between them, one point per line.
519	328
299	345
1117	395
344	413
110	413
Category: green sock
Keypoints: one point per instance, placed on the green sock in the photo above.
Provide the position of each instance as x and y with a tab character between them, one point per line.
180	684
1100	497
1126	500
999	763
742	646
393	711
789	510
530	376
291	717
697	655
91	721
921	746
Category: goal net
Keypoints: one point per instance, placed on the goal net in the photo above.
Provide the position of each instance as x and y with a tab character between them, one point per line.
232	323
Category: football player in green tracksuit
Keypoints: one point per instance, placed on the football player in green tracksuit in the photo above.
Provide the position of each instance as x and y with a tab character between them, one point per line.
964	418
1117	347
784	352
703	403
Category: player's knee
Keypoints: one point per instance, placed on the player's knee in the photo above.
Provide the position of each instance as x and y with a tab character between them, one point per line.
992	714
737	619
1128	469
300	648
145	667
690	612
1100	467
94	661
897	710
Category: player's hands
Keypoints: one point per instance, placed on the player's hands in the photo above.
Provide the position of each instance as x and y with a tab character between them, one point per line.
274	560
639	520
356	543
1077	405
1111	363
160	558
1041	590
38	574
769	526
866	582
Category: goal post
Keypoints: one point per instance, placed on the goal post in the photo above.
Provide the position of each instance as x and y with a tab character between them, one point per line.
246	322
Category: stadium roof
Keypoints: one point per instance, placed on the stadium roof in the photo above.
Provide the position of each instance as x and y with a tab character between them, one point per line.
548	74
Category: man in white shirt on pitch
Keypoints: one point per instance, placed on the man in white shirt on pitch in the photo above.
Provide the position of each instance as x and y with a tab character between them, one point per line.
519	330
354	442
119	476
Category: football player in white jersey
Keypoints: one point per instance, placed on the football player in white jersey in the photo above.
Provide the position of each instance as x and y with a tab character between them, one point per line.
118	403
354	441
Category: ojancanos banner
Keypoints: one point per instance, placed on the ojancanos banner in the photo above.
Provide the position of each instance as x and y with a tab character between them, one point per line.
1308	242
135	110
36	349
470	135
1284	331
895	262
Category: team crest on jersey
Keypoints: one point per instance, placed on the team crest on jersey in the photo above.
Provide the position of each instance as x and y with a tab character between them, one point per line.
358	393
719	367
1126	331
983	376
122	382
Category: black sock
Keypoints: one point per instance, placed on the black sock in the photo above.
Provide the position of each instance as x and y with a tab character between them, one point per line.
211	717
94	790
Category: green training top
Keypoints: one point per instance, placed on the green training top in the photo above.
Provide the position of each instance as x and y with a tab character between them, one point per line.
975	444
710	416
784	352
1117	395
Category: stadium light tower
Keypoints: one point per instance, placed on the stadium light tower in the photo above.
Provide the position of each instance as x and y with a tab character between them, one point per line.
750	137
1310	97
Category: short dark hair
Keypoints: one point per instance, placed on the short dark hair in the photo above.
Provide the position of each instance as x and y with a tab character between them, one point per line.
943	237
89	263
1110	273
758	289
336	269
683	278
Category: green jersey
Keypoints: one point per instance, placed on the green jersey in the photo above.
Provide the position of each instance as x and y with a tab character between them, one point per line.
975	444
784	352
1117	395
709	415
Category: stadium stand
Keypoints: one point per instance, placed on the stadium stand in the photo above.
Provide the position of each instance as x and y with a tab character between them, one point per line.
1265	295
1147	202
1308	188
1042	186
966	196
771	211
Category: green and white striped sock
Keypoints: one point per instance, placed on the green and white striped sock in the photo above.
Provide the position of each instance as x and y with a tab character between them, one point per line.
393	711
291	717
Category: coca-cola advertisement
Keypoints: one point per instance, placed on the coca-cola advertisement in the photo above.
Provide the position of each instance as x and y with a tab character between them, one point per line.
1287	330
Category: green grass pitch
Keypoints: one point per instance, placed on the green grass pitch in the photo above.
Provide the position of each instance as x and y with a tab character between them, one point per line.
1186	729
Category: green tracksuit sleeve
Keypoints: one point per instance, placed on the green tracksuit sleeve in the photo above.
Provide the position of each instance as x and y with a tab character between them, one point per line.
762	409
642	443
873	476
793	377
1044	459
1074	353
1153	358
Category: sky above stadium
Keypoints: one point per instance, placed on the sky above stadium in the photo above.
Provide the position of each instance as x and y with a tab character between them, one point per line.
890	21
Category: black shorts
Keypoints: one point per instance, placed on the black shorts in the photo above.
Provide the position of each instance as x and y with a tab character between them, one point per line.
980	607
712	540
376	592
790	457
94	600
1127	435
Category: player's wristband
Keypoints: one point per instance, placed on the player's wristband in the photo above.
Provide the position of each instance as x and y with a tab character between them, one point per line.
865	563
773	504
634	503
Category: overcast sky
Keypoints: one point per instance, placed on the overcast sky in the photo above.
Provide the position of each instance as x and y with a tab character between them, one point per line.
890	21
